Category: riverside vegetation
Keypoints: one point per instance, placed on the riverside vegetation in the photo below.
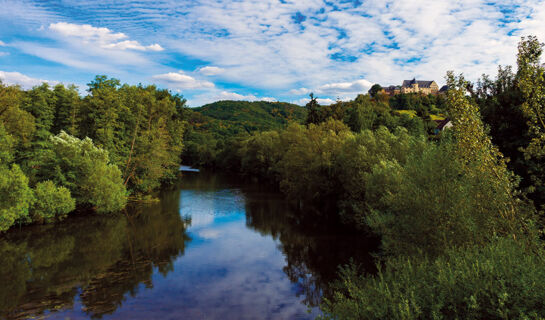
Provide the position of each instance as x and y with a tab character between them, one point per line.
60	152
459	213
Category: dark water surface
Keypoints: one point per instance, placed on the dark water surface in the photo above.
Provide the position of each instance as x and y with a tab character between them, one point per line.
214	248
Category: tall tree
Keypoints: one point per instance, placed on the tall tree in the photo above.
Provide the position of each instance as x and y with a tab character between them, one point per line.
476	152
313	108
66	109
531	80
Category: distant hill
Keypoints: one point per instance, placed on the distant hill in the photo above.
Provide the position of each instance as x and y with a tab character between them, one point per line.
233	117
212	125
257	115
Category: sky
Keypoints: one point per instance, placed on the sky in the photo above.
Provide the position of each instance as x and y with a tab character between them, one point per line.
272	50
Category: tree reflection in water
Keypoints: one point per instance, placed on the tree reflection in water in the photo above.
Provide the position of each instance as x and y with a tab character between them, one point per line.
313	249
98	258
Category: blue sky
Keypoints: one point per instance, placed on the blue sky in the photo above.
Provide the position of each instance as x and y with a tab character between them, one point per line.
211	50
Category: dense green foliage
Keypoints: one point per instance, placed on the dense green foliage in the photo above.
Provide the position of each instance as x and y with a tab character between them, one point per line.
434	202
459	238
52	202
217	131
512	105
86	170
502	280
16	197
60	151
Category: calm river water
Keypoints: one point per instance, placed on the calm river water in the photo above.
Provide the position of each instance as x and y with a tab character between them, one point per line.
213	248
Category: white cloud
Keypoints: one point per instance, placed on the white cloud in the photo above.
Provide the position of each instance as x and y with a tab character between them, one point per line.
227	95
326	101
134	45
380	41
3	53
336	90
2	43
211	70
103	37
26	82
358	86
179	80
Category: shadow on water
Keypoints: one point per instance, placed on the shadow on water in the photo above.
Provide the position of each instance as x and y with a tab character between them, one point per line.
91	266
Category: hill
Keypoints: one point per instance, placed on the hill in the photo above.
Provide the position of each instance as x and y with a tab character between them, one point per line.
252	116
214	125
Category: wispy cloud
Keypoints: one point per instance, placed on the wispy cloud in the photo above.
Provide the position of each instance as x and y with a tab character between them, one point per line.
84	47
103	37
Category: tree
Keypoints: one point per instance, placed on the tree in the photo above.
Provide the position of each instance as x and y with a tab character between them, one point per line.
361	116
499	281
15	194
16	197
313	108
87	172
531	81
307	168
475	149
66	109
17	122
374	90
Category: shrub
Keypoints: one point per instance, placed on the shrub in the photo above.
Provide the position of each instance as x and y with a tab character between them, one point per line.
87	172
52	202
16	197
504	280
434	202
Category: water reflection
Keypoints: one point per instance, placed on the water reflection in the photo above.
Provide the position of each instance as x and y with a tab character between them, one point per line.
214	248
313	249
96	260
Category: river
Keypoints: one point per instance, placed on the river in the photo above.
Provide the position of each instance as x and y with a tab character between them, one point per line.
212	248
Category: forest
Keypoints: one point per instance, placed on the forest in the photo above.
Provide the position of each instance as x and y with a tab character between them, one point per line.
458	212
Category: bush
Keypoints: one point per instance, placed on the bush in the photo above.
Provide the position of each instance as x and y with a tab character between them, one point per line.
358	157
307	168
434	202
16	197
52	202
504	280
87	172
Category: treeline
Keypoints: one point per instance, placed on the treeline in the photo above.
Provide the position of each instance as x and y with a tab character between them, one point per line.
459	221
60	151
217	133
